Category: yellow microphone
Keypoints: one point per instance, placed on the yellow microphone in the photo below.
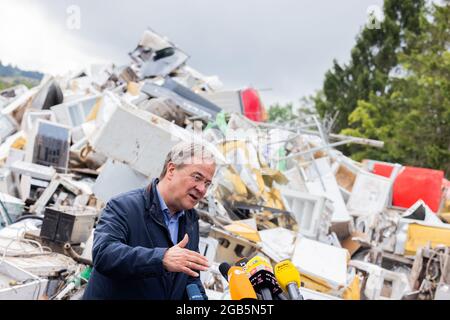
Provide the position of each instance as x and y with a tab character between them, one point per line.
289	279
262	278
240	286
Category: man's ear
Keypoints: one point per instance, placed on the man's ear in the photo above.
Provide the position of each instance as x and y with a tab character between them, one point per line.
170	170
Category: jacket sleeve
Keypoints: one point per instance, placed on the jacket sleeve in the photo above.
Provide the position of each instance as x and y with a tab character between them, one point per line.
196	280
111	254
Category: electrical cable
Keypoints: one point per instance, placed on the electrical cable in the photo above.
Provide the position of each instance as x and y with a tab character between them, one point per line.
29	216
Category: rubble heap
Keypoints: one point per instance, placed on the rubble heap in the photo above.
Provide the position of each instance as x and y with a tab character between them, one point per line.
369	230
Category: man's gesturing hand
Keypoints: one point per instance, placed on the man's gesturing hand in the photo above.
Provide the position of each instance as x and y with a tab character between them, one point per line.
179	259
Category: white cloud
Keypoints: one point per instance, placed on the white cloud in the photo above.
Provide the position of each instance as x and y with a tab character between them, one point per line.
282	45
32	40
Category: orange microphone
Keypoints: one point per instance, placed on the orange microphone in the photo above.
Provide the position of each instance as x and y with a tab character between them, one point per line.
240	285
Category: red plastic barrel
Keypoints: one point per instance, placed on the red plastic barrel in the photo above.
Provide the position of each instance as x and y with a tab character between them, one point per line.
253	107
413	184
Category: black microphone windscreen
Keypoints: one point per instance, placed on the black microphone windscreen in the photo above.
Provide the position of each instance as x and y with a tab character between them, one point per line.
224	268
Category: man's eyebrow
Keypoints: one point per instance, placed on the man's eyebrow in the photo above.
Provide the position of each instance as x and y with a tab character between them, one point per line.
196	172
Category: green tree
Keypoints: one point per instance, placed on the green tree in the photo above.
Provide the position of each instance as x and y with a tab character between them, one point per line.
280	113
413	117
3	85
372	59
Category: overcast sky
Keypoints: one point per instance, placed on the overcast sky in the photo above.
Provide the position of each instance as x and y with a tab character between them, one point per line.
283	47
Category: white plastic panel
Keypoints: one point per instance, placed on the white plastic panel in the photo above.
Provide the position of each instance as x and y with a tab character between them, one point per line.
310	211
322	261
369	194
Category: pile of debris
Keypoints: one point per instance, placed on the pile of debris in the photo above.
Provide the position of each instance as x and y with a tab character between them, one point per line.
368	230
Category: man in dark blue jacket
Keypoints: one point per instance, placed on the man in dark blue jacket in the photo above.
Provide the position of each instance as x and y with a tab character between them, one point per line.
146	242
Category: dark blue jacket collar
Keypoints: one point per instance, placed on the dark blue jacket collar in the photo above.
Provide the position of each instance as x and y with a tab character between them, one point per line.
153	206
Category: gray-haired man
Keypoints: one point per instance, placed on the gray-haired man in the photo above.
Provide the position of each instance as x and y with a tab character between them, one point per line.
146	242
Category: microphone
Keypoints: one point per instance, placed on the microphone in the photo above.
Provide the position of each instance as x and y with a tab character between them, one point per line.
193	292
240	286
262	278
289	279
224	268
241	263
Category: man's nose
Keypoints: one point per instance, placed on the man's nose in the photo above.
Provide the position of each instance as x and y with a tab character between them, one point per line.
201	188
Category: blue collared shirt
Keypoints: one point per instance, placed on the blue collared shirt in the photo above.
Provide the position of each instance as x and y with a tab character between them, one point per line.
172	221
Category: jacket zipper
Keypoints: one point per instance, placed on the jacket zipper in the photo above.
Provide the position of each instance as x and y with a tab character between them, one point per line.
163	225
